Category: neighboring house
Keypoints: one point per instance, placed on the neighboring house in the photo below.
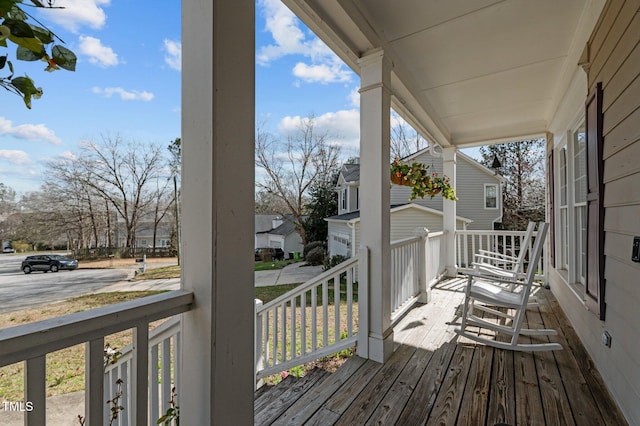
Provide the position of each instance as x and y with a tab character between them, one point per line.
264	222
281	234
344	229
479	206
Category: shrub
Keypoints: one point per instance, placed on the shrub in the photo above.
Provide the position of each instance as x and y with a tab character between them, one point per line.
312	245
332	261
316	256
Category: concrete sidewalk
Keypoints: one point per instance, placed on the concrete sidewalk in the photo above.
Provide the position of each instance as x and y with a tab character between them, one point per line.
296	273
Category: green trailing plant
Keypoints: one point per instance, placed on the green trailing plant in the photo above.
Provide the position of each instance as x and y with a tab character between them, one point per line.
422	183
173	412
33	43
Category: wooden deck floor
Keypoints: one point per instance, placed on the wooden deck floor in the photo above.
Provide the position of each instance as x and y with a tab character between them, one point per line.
434	377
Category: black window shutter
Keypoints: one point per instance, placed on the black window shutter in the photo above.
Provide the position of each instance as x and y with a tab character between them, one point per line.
595	207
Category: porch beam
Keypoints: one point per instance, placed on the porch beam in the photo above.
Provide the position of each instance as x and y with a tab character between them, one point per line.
218	60
375	104
449	211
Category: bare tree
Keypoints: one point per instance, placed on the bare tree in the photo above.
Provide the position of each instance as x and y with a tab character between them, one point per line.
405	140
523	168
290	168
122	174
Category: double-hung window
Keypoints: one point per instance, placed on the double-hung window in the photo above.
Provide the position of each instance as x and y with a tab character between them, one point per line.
490	196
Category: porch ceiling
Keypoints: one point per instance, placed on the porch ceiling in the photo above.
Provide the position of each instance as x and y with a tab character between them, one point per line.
464	73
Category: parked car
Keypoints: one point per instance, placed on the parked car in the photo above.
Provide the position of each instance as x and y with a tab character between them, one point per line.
8	249
48	262
269	253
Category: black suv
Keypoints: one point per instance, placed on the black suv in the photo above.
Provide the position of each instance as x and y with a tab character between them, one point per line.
48	262
269	253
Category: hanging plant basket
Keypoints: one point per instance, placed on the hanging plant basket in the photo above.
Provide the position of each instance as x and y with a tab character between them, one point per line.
422	182
399	180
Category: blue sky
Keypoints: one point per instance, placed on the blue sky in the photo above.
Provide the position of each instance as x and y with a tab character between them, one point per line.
127	82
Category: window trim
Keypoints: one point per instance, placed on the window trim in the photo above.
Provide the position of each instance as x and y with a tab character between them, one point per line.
497	189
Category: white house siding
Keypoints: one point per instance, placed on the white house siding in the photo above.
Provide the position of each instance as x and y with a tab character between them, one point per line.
615	61
292	243
404	222
470	191
337	232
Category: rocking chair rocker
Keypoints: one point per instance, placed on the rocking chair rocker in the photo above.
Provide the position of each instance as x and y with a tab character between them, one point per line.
489	293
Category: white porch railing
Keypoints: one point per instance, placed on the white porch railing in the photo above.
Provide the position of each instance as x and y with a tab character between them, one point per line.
415	267
164	353
311	321
506	242
407	274
32	342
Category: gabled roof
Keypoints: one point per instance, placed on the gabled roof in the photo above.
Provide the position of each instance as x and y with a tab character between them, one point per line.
461	155
287	227
350	173
355	215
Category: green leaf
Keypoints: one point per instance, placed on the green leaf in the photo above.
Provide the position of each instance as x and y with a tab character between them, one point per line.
25	54
27	88
18	28
3	43
32	43
64	57
10	67
3	60
6	5
17	13
44	35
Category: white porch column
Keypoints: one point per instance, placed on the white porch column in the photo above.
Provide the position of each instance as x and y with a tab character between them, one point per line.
449	210
375	104
217	222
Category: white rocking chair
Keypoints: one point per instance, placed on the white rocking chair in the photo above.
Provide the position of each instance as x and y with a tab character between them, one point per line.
488	294
503	265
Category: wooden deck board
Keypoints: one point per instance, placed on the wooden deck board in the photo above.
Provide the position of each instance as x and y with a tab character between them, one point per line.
436	378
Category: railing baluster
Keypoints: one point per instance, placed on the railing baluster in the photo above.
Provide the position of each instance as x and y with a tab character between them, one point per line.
325	312
35	390
294	350
153	381
303	322
140	373
336	307
349	286
94	382
166	376
314	318
283	332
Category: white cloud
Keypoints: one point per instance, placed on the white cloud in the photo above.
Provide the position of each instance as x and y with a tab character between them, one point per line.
173	56
67	155
14	156
290	39
342	127
322	73
125	95
30	132
354	98
78	13
97	53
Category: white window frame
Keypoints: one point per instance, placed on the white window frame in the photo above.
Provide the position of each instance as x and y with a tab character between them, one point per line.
343	195
497	195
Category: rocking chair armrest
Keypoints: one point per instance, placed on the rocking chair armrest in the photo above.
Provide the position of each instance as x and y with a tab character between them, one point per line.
496	259
496	254
473	274
486	269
